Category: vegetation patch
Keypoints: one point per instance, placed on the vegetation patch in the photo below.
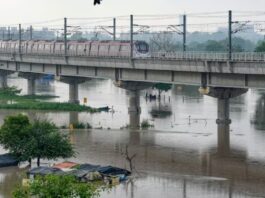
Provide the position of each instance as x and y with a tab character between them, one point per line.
32	102
57	186
37	140
146	125
51	106
78	125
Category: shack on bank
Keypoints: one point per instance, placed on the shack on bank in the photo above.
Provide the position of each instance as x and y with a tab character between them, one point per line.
83	172
7	160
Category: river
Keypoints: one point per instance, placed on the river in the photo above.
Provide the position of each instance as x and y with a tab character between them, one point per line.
177	157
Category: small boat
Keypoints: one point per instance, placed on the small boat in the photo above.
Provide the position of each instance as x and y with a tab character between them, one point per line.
104	108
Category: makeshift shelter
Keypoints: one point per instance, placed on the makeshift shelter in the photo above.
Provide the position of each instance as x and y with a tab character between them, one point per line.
8	160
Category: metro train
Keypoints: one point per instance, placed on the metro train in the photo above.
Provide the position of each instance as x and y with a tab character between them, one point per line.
87	48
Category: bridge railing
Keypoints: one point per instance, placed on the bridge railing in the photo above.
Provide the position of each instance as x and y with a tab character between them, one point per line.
215	56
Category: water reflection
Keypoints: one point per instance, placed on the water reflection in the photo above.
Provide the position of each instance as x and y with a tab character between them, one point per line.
181	157
9	179
259	116
196	173
73	117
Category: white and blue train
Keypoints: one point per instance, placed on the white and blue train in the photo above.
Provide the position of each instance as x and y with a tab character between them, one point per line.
75	48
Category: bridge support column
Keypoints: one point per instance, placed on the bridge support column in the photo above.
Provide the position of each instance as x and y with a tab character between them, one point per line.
3	78
3	81
134	109
31	86
73	87
31	78
223	121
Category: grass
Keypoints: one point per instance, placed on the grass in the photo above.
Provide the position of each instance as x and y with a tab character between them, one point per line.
31	102
55	106
78	125
146	125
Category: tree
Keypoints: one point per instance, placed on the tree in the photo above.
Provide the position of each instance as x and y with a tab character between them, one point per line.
162	87
164	42
260	47
41	140
47	142
214	46
57	186
14	136
97	2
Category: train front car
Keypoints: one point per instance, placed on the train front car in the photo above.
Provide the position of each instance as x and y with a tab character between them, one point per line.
141	49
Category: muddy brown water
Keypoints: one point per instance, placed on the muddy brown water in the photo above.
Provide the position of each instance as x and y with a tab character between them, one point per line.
176	158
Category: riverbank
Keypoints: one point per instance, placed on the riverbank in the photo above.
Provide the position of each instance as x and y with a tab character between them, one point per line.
12	100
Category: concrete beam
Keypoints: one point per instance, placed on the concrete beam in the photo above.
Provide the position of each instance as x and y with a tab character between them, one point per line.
3	78
132	85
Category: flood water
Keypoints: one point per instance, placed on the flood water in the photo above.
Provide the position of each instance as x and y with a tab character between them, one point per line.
176	158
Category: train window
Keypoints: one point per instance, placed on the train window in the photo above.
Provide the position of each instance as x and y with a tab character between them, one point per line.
142	47
40	46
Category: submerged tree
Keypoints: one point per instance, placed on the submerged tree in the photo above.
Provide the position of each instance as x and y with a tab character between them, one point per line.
40	140
14	136
162	87
47	142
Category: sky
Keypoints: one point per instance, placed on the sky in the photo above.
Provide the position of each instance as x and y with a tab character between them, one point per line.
22	11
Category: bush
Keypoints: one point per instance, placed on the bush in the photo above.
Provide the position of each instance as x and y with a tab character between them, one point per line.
57	186
145	124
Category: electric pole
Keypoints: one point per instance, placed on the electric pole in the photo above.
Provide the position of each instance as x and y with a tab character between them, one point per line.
114	29
65	36
30	32
131	35
20	38
184	32
8	33
230	35
3	35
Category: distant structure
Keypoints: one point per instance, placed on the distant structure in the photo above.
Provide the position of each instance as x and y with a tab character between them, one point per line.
97	2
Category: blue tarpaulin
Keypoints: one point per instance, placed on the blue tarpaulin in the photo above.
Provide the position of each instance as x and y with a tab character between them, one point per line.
8	160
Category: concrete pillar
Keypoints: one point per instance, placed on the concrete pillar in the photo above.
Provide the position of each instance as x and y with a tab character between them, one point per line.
73	93
73	83
134	109
223	120
223	126
31	77
31	85
3	81
3	78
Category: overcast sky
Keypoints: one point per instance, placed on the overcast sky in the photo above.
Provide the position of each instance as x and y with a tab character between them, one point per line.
20	11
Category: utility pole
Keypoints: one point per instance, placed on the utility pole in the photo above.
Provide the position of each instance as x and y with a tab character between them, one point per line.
30	32
65	36
184	32
3	35
131	35
8	33
20	38
114	29
230	35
